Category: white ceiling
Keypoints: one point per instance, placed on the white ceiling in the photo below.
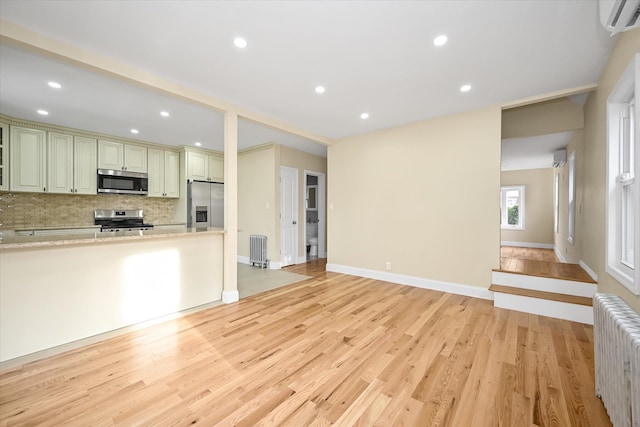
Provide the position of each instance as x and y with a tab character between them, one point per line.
376	57
534	152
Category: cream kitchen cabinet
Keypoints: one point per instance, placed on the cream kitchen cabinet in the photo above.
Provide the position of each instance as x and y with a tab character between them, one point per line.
205	167
4	156
116	155
164	173
72	164
27	160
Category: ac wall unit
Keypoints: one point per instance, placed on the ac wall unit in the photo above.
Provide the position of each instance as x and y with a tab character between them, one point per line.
559	158
619	15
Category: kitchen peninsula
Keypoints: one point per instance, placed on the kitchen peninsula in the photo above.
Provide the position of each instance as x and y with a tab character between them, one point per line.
62	288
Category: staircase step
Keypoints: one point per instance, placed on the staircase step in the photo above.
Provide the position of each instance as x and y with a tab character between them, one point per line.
550	304
558	270
551	296
544	284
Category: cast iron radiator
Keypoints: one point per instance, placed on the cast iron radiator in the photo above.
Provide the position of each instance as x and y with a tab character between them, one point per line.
258	250
616	336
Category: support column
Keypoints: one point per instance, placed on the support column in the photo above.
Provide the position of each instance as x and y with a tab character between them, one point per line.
230	290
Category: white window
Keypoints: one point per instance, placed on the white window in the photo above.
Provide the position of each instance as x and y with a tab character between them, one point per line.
556	202
512	207
571	217
623	190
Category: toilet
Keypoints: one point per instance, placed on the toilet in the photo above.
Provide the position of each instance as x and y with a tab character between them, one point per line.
313	242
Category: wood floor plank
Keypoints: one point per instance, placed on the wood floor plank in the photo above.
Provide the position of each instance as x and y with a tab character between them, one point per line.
331	350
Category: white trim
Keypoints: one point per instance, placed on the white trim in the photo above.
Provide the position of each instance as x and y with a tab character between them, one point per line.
272	265
559	254
301	260
527	244
542	307
545	284
589	271
418	282
275	265
229	297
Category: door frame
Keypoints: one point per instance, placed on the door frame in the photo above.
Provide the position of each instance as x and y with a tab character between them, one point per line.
294	195
322	212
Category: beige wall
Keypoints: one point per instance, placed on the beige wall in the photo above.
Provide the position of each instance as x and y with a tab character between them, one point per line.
423	196
259	194
538	205
301	161
558	115
594	161
571	252
257	204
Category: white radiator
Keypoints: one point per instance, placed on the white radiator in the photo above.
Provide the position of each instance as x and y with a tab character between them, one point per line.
616	339
258	250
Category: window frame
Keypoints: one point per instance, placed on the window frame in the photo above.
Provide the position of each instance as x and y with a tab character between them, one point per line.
504	214
556	202
571	199
624	93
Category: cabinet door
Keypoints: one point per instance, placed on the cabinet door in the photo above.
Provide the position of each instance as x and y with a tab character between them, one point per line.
197	166
27	165
216	169
171	174
135	158
85	163
60	163
155	166
4	156
110	155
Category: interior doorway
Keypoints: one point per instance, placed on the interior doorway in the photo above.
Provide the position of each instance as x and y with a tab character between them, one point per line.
315	214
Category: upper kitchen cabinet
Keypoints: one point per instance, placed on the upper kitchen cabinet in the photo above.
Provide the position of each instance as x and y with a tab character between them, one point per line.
116	155
4	157
27	154
164	173
72	164
205	167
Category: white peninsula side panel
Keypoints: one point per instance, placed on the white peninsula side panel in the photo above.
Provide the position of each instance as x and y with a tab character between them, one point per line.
51	296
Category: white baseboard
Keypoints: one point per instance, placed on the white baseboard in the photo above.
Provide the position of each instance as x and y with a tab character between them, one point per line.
273	265
561	257
230	296
418	282
589	271
555	309
527	244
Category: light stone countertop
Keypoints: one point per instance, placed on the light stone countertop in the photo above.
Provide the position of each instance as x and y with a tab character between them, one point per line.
23	242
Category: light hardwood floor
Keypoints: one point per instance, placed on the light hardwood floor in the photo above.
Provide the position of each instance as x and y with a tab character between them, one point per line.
334	349
540	262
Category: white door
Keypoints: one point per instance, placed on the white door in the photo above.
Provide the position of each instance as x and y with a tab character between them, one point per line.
288	215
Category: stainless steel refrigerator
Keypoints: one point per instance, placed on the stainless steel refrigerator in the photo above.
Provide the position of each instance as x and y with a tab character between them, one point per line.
205	204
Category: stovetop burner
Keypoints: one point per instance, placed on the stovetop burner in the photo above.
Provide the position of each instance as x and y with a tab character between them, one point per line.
120	220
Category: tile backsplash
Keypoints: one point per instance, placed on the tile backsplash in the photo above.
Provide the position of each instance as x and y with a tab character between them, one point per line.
32	210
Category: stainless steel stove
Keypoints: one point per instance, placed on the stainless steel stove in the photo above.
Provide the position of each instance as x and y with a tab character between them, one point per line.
120	220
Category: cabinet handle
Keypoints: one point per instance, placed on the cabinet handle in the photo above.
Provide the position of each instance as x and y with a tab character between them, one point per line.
44	189
71	190
75	190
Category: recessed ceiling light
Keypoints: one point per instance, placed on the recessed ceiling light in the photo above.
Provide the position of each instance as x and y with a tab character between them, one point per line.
440	40
364	116
198	144
134	130
164	113
320	89
55	85
43	112
465	88
240	42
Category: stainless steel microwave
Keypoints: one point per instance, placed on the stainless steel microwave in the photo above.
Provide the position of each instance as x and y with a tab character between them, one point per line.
122	182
